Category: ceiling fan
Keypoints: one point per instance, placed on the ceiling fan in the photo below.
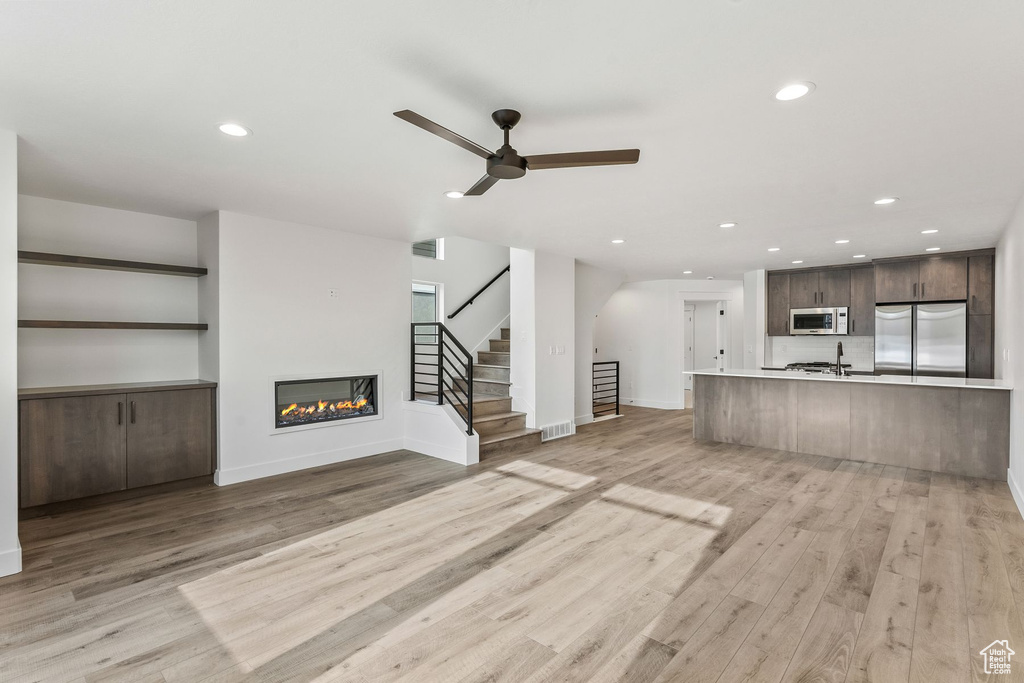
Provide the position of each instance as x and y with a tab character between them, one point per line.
505	163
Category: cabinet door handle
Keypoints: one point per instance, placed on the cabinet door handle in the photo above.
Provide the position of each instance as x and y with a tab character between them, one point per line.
823	298
815	297
120	412
133	412
972	354
915	290
853	323
974	302
922	290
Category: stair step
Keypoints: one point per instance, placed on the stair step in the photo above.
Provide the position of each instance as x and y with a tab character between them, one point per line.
509	442
500	345
494	358
506	333
496	423
498	372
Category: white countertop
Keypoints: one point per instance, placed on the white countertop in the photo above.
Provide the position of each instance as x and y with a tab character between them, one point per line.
903	380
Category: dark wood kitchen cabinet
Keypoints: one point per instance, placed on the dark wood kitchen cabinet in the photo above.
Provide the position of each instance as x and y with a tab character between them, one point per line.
981	284
803	289
834	287
980	352
778	304
862	302
83	441
896	281
943	278
71	448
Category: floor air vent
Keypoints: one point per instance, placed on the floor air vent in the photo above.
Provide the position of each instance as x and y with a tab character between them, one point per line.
557	431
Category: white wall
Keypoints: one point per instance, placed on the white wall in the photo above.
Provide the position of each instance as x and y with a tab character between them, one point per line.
593	288
641	326
556	338
1009	340
523	321
755	319
276	319
467	266
10	550
543	344
67	357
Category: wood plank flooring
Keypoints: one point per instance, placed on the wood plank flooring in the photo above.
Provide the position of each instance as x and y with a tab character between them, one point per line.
629	552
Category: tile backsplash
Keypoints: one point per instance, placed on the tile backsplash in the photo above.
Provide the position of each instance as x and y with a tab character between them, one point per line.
858	351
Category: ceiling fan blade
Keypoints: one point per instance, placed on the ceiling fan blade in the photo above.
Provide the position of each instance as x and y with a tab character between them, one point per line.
481	186
440	131
610	157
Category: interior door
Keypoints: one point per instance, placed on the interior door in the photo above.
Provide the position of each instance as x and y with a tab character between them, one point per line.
170	436
688	340
722	359
71	448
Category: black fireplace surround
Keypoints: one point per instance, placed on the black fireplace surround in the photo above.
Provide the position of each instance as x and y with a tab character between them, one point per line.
314	401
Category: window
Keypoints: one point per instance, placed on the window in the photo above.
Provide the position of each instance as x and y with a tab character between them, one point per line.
429	249
425	308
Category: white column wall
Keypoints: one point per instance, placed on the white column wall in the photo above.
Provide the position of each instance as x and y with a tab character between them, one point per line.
10	549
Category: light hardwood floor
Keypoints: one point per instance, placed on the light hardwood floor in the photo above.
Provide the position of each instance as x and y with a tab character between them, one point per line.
626	553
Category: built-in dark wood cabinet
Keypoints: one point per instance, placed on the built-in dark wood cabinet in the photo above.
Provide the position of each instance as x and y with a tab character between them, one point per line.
169	436
980	353
981	284
71	447
803	289
76	442
834	287
943	278
778	304
862	302
896	281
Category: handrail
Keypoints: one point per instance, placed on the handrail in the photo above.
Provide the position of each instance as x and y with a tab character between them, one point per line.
482	290
603	399
445	363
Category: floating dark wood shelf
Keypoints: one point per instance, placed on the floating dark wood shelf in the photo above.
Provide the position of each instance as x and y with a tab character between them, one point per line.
67	261
97	325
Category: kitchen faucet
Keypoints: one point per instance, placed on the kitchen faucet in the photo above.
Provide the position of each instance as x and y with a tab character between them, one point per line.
839	355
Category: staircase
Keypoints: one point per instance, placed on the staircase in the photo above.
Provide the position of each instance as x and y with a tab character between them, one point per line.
501	429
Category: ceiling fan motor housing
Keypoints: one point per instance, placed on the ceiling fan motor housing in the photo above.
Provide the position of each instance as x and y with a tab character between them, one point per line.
506	164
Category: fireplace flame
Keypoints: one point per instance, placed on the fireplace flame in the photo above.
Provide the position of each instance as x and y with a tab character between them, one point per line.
321	406
289	409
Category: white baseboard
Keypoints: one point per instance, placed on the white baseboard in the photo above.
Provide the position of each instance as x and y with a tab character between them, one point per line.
584	419
235	475
661	405
10	561
1018	495
440	452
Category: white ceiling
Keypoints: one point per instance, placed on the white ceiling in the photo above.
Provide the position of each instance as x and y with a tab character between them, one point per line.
117	103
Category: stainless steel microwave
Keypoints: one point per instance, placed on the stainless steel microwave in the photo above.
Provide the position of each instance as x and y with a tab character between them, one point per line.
818	320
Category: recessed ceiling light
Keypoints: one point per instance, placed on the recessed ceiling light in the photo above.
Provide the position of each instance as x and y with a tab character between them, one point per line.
933	248
793	91
886	200
711	277
842	241
454	194
618	241
235	130
929	232
687	272
727	225
773	248
859	255
797	261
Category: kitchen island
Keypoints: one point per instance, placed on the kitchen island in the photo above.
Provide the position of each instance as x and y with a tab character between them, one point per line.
942	424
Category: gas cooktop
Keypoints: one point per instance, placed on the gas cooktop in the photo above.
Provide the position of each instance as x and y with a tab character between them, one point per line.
814	365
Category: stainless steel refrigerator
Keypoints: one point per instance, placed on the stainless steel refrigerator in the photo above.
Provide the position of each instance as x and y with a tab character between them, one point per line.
921	339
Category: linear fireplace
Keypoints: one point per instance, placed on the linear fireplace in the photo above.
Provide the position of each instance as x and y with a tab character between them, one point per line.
307	402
